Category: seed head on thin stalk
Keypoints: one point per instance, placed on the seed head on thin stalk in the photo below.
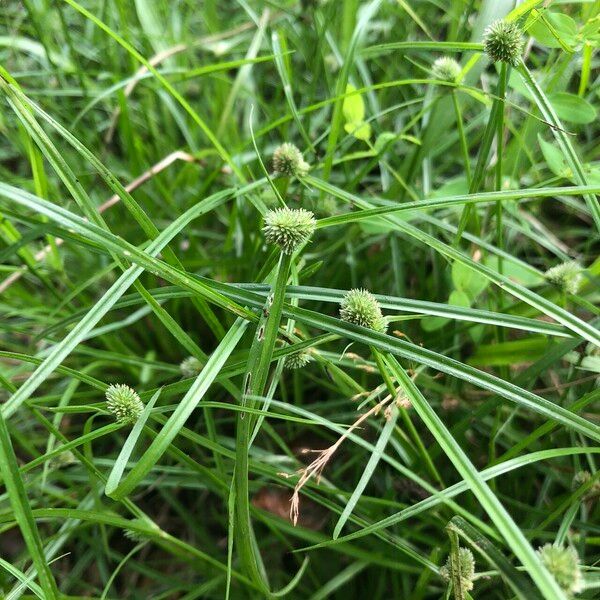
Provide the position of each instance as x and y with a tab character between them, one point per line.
288	161
360	307
190	367
582	478
563	563
567	275
288	228
446	69
297	360
124	403
466	565
503	42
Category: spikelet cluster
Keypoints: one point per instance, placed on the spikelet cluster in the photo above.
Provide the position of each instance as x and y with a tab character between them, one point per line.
567	275
124	403
563	563
446	69
288	161
503	42
360	307
190	366
297	360
288	228
466	564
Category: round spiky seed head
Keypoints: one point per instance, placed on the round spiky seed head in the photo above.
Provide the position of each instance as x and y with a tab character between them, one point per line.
288	160
446	69
566	275
297	360
503	42
361	308
288	227
124	403
563	563
466	564
190	366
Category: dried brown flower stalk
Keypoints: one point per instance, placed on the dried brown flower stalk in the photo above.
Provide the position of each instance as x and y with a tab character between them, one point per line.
315	468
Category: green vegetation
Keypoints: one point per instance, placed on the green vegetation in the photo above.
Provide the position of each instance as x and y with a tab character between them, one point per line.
299	299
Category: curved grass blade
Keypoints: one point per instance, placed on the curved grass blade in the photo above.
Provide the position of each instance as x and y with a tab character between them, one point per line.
62	349
443	496
449	201
383	342
585	330
23	514
419	307
423	356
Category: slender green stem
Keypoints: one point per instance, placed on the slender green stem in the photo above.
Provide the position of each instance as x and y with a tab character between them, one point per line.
499	156
461	136
257	372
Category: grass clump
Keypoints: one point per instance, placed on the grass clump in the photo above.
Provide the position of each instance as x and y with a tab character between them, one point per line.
340	360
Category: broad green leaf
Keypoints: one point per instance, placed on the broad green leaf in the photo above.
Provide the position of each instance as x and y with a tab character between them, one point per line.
359	129
554	158
353	109
552	28
572	108
468	281
353	106
514	270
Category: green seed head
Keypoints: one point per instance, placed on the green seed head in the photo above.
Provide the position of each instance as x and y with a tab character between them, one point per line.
563	563
466	564
124	403
503	42
288	227
288	161
361	308
190	367
297	360
446	69
566	275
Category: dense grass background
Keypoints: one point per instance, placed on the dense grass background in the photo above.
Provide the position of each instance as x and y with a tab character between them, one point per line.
473	414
